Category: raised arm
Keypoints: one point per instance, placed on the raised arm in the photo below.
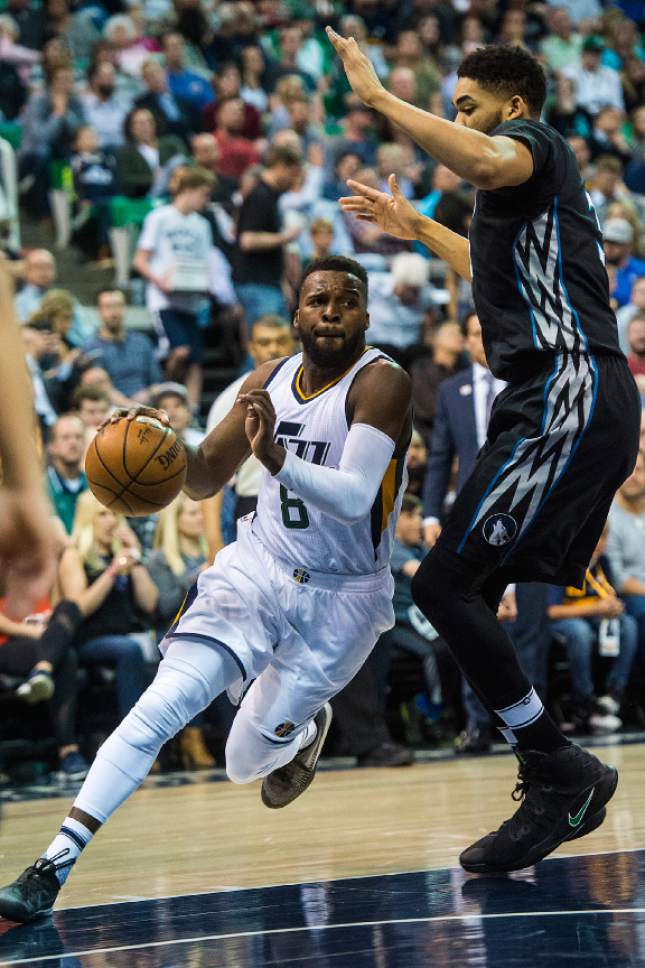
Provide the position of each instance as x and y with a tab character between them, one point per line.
486	162
395	215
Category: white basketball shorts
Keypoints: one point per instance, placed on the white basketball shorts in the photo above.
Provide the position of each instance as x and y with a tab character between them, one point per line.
314	630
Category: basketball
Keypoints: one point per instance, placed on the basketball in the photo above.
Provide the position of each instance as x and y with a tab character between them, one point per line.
136	467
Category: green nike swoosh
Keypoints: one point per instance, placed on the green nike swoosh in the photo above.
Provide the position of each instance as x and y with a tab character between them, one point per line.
577	820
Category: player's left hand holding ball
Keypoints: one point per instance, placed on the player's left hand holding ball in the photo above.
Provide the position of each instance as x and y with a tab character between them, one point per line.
259	427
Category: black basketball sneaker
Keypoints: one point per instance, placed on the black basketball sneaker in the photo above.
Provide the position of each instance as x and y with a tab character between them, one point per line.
286	783
33	894
563	796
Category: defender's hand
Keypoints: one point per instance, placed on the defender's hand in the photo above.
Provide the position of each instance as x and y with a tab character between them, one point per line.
358	67
259	427
393	213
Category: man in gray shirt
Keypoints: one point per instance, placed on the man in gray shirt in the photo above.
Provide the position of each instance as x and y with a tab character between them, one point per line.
626	546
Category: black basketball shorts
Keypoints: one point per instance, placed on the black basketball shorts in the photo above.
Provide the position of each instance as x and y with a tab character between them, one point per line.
558	447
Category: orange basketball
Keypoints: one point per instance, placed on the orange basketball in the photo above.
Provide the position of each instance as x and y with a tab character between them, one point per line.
136	467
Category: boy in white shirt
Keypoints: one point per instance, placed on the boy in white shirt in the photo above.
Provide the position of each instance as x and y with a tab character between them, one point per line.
172	255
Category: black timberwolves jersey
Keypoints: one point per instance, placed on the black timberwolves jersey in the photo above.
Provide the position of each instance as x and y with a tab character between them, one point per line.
539	280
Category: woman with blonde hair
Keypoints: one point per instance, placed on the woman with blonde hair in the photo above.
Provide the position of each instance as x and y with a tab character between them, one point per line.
181	553
102	572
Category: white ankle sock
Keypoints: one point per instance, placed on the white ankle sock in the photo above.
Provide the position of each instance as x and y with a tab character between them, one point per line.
67	845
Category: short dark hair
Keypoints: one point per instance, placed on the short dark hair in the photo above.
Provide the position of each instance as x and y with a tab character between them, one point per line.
283	155
271	321
410	504
101	292
95	394
337	263
464	320
507	71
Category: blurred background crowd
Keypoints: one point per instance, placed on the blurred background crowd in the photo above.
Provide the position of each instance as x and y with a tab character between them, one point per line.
167	170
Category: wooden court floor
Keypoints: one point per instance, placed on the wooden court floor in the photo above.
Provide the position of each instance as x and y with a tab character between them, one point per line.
216	837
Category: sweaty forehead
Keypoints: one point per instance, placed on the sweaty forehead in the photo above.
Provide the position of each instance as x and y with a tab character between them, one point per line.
329	280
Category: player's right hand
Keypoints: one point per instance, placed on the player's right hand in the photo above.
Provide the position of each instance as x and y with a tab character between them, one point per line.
132	412
393	213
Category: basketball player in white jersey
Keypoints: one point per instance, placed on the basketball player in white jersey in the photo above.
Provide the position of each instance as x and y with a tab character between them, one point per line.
297	602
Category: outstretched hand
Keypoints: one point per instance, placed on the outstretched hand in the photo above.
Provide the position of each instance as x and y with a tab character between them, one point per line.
393	213
259	426
360	73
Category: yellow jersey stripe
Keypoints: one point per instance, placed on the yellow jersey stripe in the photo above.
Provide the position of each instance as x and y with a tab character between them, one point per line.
388	493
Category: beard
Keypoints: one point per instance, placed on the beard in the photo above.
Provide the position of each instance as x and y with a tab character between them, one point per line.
332	358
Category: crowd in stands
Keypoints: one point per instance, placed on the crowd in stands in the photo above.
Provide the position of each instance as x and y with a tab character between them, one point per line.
197	149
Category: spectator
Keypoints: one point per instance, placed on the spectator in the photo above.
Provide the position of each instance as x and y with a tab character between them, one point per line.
635	306
398	303
269	339
396	159
357	131
36	346
237	153
322	236
626	547
619	246
409	53
227	82
416	463
594	617
366	238
40	649
464	405
606	185
185	84
94	173
102	572
290	62
13	53
597	87
607	136
13	93
180	555
429	372
30	22
143	161
49	124
259	230
65	477
60	359
39	273
444	182
126	355
104	111
347	164
172	256
562	46
131	48
563	112
636	356
580	149
253	87
93	406
172	114
173	398
76	30
412	632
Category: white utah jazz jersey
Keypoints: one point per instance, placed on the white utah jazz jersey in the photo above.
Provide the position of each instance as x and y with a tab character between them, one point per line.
315	428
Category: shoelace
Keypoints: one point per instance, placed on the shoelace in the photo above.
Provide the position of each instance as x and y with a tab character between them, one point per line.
48	864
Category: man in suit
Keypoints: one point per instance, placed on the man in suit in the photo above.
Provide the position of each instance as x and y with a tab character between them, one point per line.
173	114
463	411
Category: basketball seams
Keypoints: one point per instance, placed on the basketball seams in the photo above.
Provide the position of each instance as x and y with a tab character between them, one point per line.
125	488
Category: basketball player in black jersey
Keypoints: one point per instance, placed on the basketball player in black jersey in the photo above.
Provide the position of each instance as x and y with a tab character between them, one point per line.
562	436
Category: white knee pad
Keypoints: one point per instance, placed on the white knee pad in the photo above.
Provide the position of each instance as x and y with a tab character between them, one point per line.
189	678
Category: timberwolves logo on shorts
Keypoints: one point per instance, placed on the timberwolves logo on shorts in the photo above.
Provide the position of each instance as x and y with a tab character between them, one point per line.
283	729
499	529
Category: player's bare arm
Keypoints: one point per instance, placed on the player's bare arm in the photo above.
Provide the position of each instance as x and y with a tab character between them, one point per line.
213	463
395	215
486	162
